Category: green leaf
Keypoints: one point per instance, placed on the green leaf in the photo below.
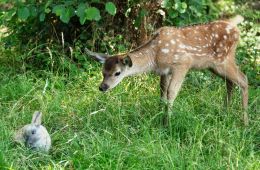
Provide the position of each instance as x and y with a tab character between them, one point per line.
23	13
92	13
58	10
47	10
49	2
81	10
66	15
9	15
139	18
81	13
42	17
183	5
111	8
172	13
33	11
164	3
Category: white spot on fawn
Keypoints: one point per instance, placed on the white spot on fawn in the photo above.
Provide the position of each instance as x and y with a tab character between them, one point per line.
182	46
173	42
165	50
225	37
226	49
228	28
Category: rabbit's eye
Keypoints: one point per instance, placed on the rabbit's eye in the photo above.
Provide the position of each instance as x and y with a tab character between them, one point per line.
33	132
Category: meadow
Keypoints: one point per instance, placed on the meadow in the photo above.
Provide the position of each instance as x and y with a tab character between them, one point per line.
121	129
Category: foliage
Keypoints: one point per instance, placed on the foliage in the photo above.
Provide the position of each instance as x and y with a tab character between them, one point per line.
33	16
249	51
182	13
65	10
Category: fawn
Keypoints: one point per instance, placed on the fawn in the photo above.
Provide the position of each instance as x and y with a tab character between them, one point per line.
172	52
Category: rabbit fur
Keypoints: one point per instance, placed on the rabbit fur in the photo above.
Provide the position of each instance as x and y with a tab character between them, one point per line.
34	135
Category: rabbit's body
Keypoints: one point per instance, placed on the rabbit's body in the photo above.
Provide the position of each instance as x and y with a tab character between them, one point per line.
34	135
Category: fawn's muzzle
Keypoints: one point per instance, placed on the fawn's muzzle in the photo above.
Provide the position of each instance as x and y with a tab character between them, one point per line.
103	87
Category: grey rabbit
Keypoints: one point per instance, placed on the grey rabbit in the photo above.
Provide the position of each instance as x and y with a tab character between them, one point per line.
34	135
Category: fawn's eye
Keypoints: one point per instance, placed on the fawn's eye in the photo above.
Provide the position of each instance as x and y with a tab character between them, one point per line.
33	132
117	73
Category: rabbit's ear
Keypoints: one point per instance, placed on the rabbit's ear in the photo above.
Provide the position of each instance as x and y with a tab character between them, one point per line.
37	118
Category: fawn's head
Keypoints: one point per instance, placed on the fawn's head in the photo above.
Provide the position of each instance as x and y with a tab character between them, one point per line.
114	69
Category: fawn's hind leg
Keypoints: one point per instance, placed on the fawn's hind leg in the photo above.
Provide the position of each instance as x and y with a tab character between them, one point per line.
232	73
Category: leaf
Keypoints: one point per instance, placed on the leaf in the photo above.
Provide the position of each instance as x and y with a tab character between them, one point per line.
164	3
111	8
47	10
143	13
33	11
172	13
80	12
92	13
58	10
9	15
138	20
49	2
197	13
66	15
181	7
42	17
23	13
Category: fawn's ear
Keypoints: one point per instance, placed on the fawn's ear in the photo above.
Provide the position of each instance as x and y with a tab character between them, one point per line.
127	61
37	118
100	57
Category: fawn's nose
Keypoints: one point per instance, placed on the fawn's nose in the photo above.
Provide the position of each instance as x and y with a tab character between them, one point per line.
103	87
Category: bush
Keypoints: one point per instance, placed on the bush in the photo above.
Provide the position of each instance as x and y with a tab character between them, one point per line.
43	21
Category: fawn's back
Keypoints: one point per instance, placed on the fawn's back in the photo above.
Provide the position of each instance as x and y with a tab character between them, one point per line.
201	46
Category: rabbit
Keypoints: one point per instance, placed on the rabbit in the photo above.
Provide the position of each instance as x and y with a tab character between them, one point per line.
34	135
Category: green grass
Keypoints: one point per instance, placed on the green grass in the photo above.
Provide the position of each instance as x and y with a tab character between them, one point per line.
126	132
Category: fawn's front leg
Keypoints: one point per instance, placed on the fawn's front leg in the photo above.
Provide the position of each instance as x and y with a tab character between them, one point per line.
177	78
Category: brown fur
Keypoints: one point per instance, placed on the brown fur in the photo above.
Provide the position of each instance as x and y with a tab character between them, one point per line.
172	52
